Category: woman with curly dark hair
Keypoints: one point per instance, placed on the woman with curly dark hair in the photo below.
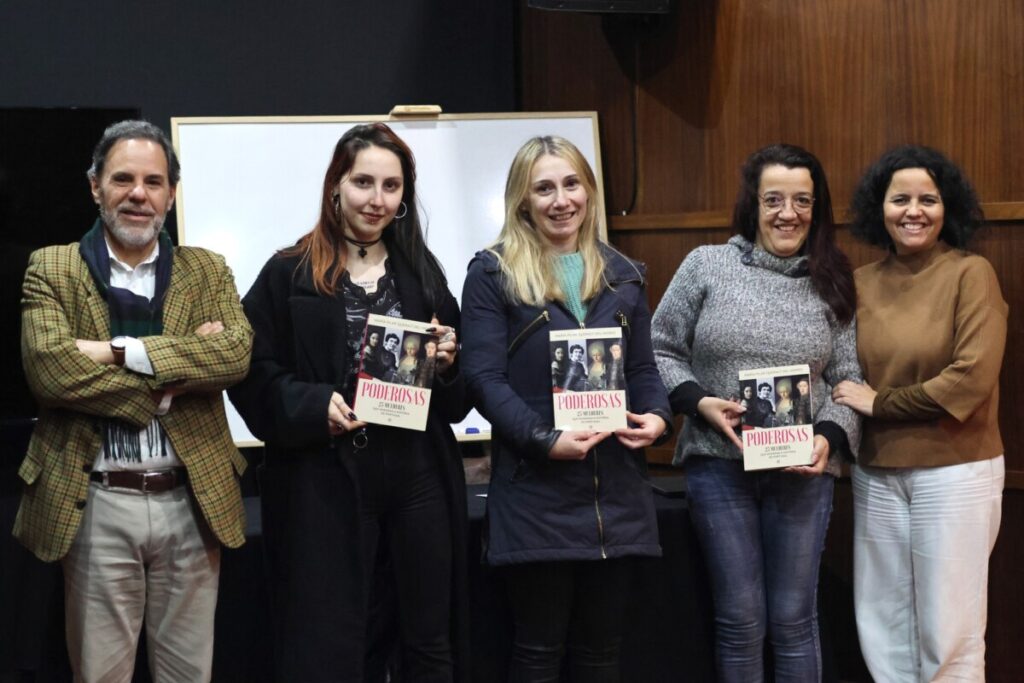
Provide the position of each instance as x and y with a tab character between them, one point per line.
928	485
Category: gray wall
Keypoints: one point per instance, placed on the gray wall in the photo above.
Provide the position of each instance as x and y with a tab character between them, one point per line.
212	58
225	57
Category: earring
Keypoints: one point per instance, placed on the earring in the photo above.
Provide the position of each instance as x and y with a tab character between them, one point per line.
336	203
405	212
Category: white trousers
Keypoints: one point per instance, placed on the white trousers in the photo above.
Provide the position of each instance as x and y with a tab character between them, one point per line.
139	554
921	544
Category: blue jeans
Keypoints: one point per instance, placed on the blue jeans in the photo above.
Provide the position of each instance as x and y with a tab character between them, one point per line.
762	534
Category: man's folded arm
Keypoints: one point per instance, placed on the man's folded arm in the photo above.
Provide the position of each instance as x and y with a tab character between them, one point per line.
59	374
205	362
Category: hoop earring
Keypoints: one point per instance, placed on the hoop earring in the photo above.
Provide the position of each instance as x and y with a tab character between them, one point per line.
405	212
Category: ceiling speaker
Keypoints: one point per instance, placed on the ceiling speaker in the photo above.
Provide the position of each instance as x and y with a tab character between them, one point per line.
605	6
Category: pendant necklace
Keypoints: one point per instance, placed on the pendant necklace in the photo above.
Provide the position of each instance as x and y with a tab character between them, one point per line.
362	245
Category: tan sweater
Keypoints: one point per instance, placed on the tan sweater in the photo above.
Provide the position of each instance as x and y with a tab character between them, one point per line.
931	329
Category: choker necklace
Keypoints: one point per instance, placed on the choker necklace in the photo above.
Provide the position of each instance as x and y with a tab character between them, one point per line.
362	245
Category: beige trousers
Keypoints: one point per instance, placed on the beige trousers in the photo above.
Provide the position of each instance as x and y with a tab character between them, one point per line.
141	555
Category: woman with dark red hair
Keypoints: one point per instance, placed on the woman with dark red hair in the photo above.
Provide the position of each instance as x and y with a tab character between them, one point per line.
355	513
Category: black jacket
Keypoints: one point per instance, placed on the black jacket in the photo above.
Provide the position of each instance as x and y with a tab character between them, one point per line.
310	504
541	509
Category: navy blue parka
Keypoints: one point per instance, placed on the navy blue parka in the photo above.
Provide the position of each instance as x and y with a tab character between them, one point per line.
541	509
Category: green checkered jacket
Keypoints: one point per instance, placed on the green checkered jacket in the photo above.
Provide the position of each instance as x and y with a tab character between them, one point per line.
61	304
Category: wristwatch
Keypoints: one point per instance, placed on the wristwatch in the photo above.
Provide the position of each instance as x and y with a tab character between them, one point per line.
117	346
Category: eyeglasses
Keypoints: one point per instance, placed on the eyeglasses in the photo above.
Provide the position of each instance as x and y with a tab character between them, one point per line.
773	203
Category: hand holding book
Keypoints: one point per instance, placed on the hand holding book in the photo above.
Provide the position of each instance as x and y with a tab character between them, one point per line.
722	415
340	418
819	452
573	444
645	430
447	344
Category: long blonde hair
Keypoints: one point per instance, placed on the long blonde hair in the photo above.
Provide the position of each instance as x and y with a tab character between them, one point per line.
526	257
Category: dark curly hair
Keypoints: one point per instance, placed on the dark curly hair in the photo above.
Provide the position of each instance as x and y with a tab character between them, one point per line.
830	270
963	214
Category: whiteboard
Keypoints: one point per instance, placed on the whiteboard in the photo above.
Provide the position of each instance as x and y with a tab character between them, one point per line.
251	186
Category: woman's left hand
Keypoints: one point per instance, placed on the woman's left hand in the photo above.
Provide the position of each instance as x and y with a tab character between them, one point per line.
819	458
447	345
860	397
648	427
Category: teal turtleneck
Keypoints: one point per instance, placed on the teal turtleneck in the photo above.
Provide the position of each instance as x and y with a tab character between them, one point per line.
569	270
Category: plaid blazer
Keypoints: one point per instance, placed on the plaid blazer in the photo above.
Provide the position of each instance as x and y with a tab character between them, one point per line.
60	303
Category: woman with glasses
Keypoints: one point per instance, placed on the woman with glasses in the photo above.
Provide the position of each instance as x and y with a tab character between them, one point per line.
927	488
779	292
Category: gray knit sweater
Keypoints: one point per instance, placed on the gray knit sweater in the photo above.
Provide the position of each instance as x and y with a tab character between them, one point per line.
735	307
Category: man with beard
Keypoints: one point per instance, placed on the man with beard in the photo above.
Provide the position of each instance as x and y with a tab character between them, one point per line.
131	477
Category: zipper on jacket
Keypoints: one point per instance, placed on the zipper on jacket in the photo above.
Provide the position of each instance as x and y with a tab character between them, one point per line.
597	510
624	323
597	485
528	330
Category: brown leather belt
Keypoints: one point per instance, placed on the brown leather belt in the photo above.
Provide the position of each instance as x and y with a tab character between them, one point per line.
147	482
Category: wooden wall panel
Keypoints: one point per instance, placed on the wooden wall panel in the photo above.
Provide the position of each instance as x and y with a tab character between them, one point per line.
845	78
567	89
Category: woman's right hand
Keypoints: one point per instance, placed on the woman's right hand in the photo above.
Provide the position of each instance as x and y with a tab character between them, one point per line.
574	445
722	415
340	418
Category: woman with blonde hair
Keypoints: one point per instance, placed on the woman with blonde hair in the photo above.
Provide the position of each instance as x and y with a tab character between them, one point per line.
784	406
567	509
407	366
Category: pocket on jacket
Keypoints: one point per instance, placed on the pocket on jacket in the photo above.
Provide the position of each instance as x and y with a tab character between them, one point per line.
29	470
239	462
522	470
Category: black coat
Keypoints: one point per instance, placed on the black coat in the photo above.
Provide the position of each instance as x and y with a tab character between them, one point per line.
310	499
541	509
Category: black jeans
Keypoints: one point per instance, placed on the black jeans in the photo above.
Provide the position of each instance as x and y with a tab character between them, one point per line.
579	604
407	548
347	580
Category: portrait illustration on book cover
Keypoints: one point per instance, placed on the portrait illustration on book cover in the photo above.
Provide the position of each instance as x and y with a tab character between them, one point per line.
588	382
777	427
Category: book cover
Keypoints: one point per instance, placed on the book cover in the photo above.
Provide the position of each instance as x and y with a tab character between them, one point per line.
588	381
778	429
396	371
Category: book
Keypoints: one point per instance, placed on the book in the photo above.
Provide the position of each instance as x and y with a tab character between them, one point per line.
396	371
588	381
777	427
